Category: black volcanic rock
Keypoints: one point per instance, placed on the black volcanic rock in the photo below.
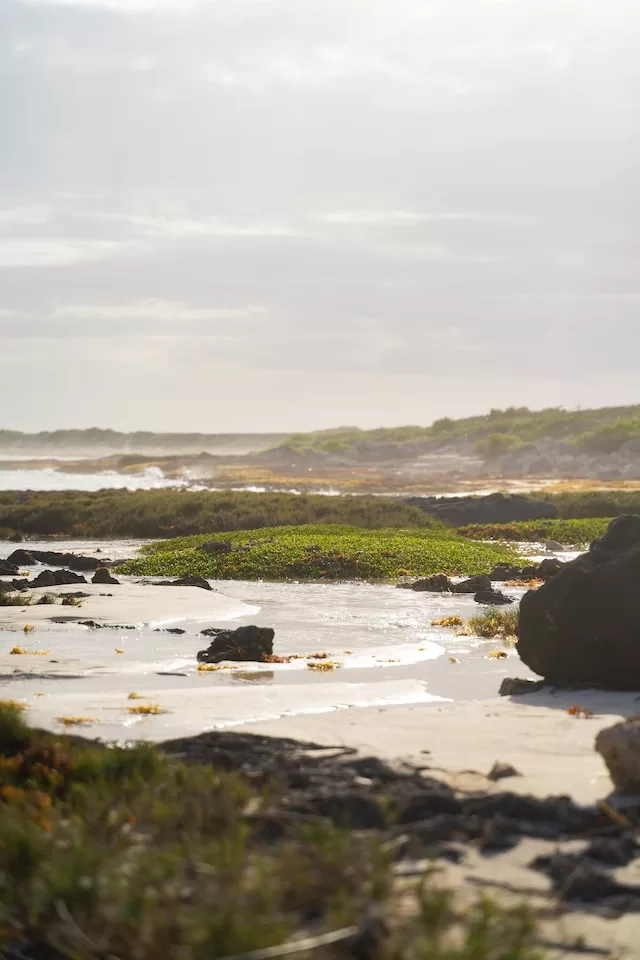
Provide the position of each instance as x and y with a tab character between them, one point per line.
583	625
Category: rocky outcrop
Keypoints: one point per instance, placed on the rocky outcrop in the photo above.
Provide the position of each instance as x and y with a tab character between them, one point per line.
8	569
250	643
438	583
103	576
53	558
619	747
191	581
56	578
473	584
495	508
493	598
583	625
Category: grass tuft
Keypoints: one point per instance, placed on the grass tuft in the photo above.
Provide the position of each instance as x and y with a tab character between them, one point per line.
495	623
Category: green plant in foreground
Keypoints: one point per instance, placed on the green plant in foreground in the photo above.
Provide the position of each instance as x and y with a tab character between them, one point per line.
130	853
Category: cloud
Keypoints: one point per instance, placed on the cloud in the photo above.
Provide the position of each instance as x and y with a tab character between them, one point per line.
159	310
60	252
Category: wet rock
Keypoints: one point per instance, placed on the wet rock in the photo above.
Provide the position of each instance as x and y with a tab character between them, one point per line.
216	548
438	583
103	576
16	537
473	584
517	687
502	771
21	558
492	598
8	569
249	643
178	631
552	546
191	581
583	625
619	747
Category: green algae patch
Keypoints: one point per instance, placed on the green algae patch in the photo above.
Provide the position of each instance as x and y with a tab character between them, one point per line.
320	553
568	532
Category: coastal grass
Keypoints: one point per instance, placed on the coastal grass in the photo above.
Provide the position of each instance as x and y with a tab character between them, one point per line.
574	532
320	553
113	852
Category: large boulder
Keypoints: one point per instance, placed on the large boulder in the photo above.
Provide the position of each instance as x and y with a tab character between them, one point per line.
250	643
103	576
583	625
7	569
494	508
493	598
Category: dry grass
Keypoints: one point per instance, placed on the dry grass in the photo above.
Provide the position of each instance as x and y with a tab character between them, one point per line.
448	622
21	652
323	666
146	709
77	721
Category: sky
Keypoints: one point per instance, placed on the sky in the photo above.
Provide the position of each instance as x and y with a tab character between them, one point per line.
278	215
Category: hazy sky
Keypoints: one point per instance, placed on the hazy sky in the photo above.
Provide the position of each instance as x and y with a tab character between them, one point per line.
289	214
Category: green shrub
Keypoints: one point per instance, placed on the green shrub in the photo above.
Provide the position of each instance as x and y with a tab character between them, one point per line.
495	622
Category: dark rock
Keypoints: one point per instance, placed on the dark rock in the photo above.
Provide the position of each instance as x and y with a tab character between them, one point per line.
178	631
613	851
212	631
552	546
22	558
191	581
473	584
7	569
65	577
18	585
619	747
517	687
424	806
505	572
356	811
246	643
103	576
492	598
56	578
583	625
501	771
495	508
549	568
44	579
16	537
216	548
438	583
575	879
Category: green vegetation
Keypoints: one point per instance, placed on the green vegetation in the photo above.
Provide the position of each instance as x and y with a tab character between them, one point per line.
167	513
569	532
320	553
602	430
495	622
13	599
605	503
108	852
